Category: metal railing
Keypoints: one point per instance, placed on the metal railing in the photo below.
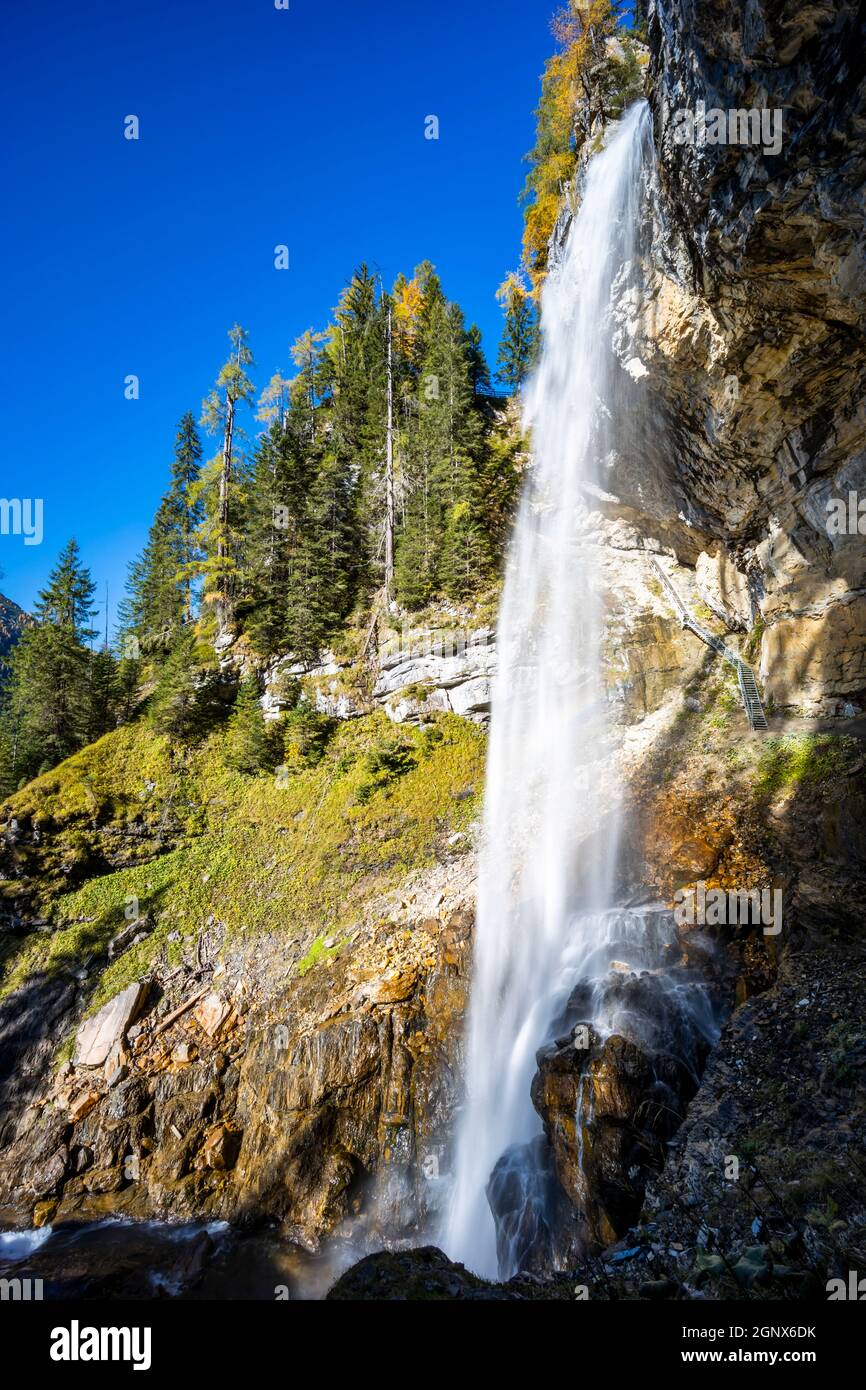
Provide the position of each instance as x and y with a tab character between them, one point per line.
749	693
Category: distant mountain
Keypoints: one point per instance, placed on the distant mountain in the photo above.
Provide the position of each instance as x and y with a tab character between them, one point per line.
12	621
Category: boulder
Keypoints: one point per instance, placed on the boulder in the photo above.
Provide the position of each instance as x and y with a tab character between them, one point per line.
129	935
97	1035
211	1014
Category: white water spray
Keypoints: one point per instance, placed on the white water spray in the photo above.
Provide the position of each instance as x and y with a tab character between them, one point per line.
550	819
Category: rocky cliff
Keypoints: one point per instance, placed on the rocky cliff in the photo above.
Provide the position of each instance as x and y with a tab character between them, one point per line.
752	335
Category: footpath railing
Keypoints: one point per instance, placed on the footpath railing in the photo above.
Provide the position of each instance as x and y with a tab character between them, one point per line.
749	693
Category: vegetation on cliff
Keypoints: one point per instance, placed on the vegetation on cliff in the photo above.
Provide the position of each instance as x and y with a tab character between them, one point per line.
385	472
130	828
593	75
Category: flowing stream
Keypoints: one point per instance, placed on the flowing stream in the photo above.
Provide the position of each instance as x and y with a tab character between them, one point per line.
547	876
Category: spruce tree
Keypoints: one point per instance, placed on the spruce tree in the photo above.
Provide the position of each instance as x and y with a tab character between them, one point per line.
48	712
519	343
185	508
251	746
160	586
103	694
188	700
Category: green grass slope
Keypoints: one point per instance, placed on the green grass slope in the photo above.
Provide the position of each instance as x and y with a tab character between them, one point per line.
131	823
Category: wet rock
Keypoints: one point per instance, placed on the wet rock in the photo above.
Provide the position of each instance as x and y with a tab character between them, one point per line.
537	1229
423	1273
48	1178
43	1213
221	1147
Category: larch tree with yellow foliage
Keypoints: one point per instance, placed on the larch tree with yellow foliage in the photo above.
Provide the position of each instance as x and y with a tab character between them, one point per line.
592	77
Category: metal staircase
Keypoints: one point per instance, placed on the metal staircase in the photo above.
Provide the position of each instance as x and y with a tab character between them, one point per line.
749	693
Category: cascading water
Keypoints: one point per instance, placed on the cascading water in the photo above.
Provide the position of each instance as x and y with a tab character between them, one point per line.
550	815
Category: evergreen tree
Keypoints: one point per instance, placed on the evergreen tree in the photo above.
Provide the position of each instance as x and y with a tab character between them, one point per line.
251	745
160	585
479	371
48	714
278	545
520	334
188	700
355	379
185	509
223	526
102	695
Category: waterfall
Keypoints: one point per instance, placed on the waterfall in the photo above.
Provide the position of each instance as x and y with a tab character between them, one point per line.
550	816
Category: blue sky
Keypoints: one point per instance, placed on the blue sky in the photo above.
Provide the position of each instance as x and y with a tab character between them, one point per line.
258	126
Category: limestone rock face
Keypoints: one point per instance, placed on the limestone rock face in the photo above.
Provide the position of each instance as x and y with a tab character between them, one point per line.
647	655
820	660
724	588
426	671
745	353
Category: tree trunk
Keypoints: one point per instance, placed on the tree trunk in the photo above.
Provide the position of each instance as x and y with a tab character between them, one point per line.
389	478
223	603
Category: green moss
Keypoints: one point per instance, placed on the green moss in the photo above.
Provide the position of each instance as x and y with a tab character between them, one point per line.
752	648
705	614
798	759
418	691
317	952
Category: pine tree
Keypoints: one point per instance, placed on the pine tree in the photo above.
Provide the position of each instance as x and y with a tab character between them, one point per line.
479	371
102	695
188	700
185	509
355	376
277	542
520	333
334	561
301	543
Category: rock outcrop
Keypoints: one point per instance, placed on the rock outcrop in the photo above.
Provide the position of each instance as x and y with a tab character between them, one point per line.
323	1103
750	344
